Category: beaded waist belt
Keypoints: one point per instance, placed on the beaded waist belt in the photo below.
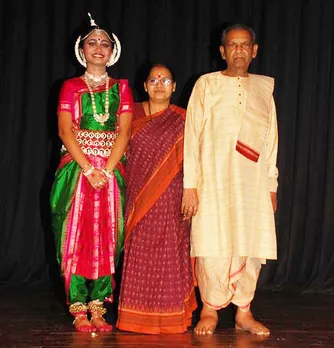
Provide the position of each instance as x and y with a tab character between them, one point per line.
95	143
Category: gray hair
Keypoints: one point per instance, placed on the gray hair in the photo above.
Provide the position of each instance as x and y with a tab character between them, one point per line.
237	26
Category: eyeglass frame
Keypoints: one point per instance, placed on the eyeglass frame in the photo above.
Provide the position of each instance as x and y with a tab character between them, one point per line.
167	82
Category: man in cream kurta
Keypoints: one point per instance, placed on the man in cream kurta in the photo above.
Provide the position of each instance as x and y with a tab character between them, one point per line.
230	181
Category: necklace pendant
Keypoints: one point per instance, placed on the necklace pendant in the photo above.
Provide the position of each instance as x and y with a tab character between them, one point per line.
100	118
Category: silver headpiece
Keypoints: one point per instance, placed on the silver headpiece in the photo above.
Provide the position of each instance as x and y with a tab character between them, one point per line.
116	53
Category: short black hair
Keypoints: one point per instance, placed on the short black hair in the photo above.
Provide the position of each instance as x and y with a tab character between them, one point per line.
237	26
156	65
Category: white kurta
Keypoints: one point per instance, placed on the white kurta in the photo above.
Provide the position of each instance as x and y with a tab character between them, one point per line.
235	216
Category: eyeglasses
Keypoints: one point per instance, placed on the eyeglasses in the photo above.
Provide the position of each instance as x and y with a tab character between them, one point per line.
164	80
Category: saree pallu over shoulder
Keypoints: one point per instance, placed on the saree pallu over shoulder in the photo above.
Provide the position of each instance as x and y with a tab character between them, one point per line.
157	290
255	123
169	166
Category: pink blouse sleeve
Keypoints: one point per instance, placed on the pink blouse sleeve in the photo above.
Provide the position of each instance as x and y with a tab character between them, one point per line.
65	98
126	99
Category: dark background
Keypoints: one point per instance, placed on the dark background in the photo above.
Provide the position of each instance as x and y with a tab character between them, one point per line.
296	41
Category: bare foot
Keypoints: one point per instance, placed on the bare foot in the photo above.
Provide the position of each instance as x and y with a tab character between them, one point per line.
82	324
100	324
245	321
208	321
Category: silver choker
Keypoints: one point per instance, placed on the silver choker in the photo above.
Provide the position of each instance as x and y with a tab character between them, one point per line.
96	79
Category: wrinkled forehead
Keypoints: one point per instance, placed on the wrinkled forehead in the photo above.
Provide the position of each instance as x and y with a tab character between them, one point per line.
238	35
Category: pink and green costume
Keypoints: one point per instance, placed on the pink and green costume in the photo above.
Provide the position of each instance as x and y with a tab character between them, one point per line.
88	223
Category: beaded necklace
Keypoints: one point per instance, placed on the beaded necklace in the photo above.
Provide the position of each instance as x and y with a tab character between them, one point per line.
101	118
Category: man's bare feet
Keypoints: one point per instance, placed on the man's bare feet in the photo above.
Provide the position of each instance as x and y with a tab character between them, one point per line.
82	324
100	324
208	321
245	321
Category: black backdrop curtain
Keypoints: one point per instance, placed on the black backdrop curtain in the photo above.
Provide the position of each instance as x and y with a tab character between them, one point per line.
296	47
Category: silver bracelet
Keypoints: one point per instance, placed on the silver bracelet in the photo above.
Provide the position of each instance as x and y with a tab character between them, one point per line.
89	171
86	165
107	173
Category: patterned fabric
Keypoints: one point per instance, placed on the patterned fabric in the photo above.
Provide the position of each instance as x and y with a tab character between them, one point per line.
95	143
157	293
89	224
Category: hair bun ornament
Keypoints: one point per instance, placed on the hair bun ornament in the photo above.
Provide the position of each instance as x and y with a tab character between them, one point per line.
92	22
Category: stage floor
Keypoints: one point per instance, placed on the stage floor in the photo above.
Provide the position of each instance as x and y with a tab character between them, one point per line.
39	319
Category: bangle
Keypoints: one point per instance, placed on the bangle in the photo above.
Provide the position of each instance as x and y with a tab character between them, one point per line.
86	165
89	171
107	173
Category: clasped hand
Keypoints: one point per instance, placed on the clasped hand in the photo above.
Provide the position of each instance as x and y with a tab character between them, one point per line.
97	179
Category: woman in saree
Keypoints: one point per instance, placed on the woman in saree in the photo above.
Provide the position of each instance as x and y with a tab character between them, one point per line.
87	198
157	290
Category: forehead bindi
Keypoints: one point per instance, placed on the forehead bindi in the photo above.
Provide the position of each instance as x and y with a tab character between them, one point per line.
160	72
99	37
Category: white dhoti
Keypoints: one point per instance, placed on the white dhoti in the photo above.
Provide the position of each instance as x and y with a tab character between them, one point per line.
223	281
233	232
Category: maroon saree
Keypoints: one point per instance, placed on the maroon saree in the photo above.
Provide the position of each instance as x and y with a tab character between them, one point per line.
157	290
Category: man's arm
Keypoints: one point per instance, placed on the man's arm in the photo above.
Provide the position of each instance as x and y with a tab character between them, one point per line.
271	159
